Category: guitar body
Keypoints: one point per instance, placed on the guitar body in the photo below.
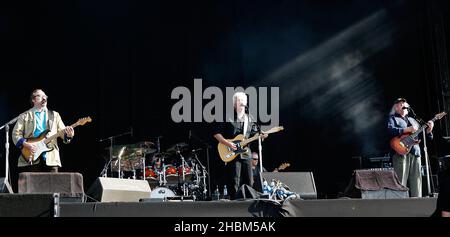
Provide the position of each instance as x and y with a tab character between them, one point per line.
226	153
403	144
40	144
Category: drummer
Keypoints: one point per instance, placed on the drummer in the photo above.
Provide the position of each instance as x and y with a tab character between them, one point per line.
156	163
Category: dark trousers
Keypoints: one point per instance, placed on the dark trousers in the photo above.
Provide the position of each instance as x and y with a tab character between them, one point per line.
241	173
41	167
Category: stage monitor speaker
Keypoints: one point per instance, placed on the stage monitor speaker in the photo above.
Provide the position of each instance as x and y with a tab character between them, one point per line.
375	184
65	183
119	190
298	182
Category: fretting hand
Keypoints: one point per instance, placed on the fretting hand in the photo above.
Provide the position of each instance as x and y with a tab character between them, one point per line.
69	132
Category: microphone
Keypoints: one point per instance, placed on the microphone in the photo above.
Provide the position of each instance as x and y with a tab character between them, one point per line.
245	108
404	107
44	100
131	131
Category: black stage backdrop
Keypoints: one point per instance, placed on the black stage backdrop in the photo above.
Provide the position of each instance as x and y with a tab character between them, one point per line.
338	65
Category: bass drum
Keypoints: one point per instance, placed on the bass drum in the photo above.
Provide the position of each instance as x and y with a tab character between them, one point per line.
161	192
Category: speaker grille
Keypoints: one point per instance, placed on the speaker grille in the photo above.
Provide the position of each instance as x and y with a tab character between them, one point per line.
298	182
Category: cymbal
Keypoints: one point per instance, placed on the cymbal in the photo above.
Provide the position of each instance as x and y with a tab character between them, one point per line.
127	165
141	151
140	148
182	146
145	144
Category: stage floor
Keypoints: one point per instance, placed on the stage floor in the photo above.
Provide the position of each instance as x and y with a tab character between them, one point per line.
34	205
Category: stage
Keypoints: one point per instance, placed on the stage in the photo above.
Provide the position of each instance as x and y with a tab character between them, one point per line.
46	205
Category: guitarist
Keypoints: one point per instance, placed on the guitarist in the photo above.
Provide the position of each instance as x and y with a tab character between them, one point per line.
407	167
239	169
32	123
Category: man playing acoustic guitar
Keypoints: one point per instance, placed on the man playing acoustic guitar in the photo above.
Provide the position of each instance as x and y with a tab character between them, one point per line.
407	166
31	124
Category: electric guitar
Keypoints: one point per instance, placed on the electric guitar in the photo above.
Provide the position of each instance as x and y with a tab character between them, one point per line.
227	154
41	142
403	143
282	167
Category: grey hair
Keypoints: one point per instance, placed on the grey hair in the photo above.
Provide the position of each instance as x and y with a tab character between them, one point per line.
392	112
242	96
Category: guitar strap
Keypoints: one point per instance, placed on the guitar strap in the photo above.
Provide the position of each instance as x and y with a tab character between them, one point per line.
245	125
51	118
408	122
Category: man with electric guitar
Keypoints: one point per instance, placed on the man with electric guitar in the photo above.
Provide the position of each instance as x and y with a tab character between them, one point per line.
404	131
238	160
35	126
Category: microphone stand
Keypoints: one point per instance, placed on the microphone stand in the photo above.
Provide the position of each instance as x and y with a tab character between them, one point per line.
111	142
7	175
427	161
259	141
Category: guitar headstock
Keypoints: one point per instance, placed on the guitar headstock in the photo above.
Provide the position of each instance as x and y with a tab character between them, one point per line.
284	166
274	129
440	115
83	121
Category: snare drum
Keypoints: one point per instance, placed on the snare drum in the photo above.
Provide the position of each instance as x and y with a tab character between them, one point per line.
161	192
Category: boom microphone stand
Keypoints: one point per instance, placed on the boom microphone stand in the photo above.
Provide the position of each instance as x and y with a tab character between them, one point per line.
7	176
111	141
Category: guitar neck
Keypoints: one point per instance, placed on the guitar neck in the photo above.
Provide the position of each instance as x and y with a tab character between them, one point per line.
59	133
245	142
424	126
256	136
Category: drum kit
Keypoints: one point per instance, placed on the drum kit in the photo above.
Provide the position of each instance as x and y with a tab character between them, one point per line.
175	172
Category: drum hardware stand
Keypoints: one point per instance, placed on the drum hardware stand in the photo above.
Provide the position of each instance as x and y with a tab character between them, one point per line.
162	174
119	157
143	166
204	172
104	172
7	176
185	191
111	141
158	144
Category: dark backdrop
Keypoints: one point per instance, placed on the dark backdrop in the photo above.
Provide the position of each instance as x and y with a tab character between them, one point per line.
339	66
